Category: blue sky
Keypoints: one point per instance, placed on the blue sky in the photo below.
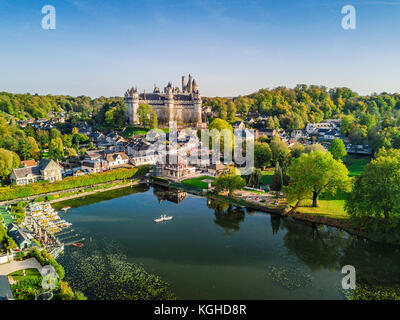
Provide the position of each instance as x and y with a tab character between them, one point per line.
231	47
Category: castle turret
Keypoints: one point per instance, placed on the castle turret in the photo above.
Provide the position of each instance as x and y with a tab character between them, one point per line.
183	84
195	87
190	84
132	102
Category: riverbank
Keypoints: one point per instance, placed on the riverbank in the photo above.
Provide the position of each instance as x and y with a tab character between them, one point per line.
11	194
342	223
100	187
269	252
88	193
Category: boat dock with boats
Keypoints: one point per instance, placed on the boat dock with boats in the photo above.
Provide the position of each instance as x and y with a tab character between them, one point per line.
48	227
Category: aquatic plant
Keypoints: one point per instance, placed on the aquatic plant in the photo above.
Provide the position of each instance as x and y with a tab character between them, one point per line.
290	277
102	272
365	291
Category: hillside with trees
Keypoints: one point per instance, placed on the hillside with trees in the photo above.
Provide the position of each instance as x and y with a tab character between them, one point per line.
372	120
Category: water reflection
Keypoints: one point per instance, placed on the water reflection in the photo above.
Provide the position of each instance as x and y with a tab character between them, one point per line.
275	223
199	260
227	215
100	197
171	195
317	246
375	263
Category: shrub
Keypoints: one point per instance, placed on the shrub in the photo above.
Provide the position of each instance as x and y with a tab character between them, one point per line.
15	192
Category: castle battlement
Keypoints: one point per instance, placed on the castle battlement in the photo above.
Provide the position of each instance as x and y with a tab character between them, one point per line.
173	104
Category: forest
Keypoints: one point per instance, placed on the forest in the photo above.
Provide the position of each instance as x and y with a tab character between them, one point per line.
370	120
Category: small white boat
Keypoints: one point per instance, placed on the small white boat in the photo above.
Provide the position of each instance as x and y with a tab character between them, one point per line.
162	218
65	209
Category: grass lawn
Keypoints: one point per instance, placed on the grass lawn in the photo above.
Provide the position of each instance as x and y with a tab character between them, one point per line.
129	131
326	208
253	191
356	164
29	274
198	182
268	176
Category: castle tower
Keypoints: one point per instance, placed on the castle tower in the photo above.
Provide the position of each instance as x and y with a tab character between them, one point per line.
169	102
183	84
190	84
132	102
197	107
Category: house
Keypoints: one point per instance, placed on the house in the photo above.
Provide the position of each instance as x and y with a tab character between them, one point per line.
29	163
117	159
21	239
47	169
98	137
142	160
329	124
330	135
95	165
238	125
174	166
243	134
298	134
138	148
216	168
269	133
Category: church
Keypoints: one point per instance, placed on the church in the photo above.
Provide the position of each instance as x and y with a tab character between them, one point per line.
173	104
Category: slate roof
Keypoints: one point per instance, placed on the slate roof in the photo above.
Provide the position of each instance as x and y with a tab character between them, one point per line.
35	171
23	172
16	234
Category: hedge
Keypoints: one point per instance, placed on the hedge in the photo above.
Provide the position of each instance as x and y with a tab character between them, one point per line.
44	258
15	192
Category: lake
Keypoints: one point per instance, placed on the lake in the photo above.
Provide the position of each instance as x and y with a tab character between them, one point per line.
210	250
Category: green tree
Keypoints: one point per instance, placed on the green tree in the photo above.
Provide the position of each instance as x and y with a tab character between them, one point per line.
314	147
220	124
24	149
262	155
230	182
346	124
56	149
153	123
314	173
254	179
8	161
376	192
338	149
279	150
296	150
67	139
34	148
143	113
277	182
231	111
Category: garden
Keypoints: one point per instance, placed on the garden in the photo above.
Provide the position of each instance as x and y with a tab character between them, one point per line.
199	182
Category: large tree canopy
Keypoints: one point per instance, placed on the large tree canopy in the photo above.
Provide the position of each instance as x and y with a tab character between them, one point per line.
376	193
338	149
262	155
230	182
314	173
8	161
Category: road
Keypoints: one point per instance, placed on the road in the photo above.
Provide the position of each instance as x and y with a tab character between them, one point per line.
31	263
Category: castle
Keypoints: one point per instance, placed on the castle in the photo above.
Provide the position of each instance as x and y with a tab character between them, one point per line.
182	106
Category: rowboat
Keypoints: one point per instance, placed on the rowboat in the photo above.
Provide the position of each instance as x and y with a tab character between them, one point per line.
163	218
78	244
65	208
